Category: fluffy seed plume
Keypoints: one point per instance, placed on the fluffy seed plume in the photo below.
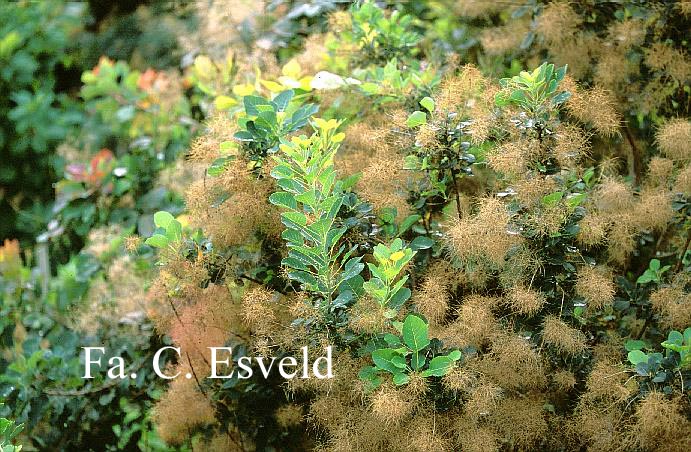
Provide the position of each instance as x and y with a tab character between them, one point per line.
367	316
660	171
432	297
674	304
660	421
505	38
524	300
513	364
183	396
476	439
683	181
621	242
614	70
509	159
653	210
461	91
592	232
476	8
571	145
290	415
558	22
384	184
564	380
595	106
608	383
522	420
389	406
666	58
674	139
561	336
614	198
257	309
206	147
483	400
627	34
484	236
475	323
595	285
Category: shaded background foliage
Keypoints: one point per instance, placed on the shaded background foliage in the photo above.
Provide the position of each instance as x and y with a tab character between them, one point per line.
46	47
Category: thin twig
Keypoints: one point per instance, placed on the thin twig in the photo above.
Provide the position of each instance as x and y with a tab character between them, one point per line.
256	281
458	195
635	155
645	325
189	361
683	251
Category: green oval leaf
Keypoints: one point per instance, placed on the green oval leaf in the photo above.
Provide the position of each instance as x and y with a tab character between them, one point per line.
415	333
421	243
439	366
157	241
416	118
283	199
552	198
392	340
637	356
675	337
418	360
428	103
294	217
455	355
384	359
400	379
408	222
400	297
399	362
632	345
162	219
174	231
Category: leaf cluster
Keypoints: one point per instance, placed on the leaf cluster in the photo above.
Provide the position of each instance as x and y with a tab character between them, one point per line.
8	431
386	285
655	369
380	37
266	121
411	352
313	197
535	91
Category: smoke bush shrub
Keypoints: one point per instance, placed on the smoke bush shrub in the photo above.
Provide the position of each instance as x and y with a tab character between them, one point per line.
521	257
134	128
492	216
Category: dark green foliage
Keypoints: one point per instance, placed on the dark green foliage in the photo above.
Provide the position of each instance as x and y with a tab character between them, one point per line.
35	42
41	378
660	371
382	37
412	352
266	121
